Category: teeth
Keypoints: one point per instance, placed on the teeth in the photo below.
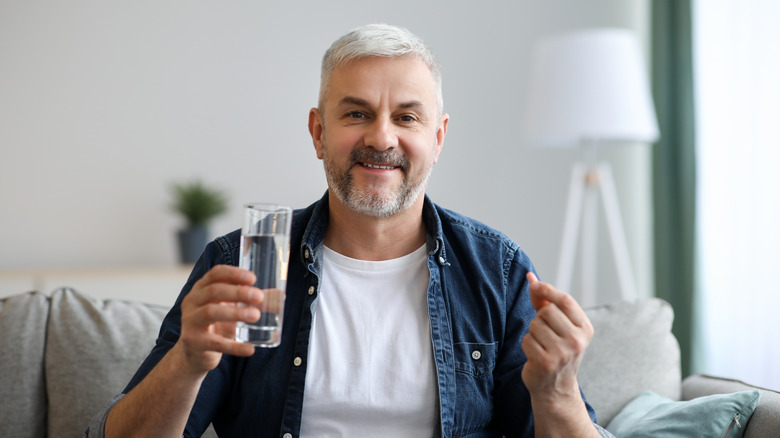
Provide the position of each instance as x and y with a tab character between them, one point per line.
376	166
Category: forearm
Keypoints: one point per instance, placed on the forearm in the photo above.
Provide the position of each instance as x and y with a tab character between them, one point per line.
562	416
161	403
555	345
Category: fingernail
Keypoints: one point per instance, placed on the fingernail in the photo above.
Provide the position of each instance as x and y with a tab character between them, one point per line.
251	314
247	276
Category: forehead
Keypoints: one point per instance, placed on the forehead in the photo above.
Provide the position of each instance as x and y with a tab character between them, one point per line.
383	80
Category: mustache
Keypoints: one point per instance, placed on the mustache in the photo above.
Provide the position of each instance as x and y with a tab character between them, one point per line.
389	157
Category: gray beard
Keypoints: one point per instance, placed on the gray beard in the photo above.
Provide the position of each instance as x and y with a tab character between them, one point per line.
371	201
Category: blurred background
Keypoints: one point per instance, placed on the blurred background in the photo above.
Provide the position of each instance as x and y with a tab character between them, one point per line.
104	105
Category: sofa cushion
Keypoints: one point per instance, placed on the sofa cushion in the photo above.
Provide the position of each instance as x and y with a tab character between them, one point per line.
633	350
23	329
765	420
93	349
721	415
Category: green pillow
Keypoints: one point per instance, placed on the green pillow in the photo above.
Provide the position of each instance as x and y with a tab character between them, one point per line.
720	415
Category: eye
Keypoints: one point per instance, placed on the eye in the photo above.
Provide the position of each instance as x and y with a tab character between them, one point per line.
356	115
406	118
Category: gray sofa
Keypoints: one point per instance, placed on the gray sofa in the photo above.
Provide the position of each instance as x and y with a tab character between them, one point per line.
65	354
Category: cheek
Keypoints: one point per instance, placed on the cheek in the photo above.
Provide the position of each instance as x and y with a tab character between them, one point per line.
423	151
333	154
341	141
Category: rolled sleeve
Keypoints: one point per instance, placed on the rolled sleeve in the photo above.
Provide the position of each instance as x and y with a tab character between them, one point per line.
604	432
97	426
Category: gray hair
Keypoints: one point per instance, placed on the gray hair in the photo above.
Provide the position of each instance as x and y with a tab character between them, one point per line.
377	40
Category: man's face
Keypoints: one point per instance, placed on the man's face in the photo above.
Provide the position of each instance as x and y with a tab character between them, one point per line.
379	133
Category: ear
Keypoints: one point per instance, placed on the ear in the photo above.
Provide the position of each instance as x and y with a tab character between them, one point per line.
441	131
315	129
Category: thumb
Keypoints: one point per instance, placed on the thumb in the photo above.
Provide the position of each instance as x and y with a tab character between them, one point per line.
536	291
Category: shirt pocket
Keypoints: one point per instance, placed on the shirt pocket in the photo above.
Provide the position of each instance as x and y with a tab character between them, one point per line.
474	364
474	358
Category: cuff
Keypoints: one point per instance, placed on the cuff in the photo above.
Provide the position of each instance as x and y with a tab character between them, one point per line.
97	425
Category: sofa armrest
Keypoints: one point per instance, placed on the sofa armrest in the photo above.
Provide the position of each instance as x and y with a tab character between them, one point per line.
766	418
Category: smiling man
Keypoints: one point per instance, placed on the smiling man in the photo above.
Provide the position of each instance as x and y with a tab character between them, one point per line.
402	319
385	130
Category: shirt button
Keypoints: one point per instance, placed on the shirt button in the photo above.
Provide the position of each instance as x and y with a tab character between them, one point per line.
441	260
287	435
298	361
311	290
306	253
476	355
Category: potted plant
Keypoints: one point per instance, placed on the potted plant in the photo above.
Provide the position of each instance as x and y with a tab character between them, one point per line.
198	205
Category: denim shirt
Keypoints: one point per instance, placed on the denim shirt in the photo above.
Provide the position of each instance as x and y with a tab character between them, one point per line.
479	308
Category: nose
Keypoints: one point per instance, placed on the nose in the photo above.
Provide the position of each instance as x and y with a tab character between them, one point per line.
381	134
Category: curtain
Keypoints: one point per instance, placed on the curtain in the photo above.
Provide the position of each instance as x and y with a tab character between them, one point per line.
737	77
674	167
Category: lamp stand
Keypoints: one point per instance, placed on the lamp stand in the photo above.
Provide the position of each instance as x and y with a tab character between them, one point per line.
587	181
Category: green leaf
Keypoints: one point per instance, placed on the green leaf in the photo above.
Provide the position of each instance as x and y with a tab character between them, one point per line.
197	203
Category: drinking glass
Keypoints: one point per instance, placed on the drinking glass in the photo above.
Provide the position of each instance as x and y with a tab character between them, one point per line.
265	250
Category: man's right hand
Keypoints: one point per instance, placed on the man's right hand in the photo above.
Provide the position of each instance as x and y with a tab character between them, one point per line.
162	401
209	314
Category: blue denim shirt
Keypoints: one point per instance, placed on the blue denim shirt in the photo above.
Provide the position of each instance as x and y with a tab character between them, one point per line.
479	311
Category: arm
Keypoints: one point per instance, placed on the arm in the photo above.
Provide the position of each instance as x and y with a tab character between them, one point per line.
555	344
161	403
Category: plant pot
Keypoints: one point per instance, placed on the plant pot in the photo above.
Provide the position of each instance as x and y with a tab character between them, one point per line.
192	242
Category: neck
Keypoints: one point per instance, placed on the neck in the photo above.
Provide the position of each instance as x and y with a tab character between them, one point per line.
364	237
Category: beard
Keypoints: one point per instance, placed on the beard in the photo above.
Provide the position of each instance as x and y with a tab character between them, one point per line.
374	199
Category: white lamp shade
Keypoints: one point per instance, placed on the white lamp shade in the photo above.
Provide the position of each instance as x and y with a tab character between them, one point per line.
589	86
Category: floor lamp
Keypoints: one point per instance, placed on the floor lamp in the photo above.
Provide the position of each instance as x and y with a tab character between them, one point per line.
588	88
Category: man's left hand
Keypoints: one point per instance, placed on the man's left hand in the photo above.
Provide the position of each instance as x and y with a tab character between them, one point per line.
555	343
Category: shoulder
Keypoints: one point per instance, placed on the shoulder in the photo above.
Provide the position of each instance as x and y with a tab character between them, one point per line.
471	238
227	242
458	226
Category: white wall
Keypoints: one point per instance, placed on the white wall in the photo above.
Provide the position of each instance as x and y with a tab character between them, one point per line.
104	104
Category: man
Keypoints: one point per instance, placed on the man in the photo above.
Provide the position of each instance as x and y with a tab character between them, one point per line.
402	318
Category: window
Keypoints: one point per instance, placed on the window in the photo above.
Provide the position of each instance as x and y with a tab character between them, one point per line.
737	77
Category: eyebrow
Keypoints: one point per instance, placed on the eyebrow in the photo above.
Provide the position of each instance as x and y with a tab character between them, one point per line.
352	100
413	104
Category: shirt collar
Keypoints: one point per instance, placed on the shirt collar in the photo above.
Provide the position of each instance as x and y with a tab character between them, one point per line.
315	220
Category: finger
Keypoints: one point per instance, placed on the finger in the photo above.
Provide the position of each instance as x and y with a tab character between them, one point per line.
223	293
555	343
538	355
228	274
209	314
236	348
547	293
557	321
536	301
532	348
226	329
231	346
559	334
543	333
217	343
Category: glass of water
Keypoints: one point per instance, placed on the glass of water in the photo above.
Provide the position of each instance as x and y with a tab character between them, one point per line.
265	250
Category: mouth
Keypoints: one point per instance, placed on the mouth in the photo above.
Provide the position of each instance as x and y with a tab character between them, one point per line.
377	166
379	161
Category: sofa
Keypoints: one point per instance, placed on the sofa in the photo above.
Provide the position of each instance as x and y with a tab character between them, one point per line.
64	354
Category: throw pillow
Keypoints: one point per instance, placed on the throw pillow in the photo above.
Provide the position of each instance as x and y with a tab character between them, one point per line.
633	350
22	343
720	415
93	349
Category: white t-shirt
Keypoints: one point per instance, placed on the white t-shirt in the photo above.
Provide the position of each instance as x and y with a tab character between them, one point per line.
371	370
